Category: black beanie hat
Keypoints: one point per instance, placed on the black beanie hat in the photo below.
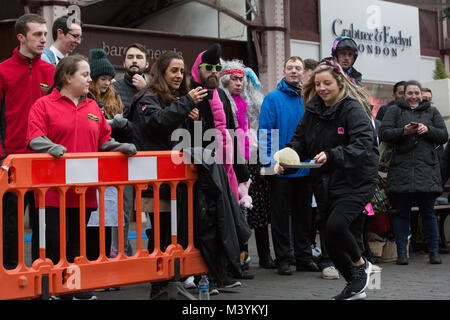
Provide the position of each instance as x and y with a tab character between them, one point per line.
99	64
212	55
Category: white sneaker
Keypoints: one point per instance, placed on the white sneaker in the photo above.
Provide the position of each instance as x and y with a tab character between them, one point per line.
189	283
347	294
361	277
213	291
233	284
358	296
330	273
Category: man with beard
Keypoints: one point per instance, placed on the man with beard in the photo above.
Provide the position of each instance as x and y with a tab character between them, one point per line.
215	113
136	62
205	72
66	36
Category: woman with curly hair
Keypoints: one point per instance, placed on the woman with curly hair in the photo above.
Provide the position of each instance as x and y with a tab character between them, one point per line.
243	89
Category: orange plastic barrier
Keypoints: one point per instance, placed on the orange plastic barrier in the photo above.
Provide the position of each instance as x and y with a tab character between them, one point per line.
41	172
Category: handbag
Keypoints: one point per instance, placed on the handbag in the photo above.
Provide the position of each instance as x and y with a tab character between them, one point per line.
380	200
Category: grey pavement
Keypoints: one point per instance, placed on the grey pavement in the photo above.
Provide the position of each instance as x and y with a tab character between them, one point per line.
417	281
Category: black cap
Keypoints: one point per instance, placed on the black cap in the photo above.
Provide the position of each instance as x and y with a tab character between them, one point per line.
347	44
212	55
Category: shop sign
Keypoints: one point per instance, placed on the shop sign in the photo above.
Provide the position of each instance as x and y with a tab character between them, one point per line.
386	33
379	41
115	40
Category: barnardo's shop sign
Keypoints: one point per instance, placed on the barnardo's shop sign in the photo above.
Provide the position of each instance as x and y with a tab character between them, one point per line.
387	35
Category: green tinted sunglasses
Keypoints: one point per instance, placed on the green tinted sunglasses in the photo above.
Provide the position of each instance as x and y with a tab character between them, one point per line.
209	67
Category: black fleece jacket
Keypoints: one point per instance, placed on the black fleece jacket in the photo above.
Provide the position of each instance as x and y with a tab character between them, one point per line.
348	138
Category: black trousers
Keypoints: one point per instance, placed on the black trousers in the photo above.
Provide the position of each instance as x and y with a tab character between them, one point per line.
52	233
291	205
10	227
93	242
164	231
262	243
343	231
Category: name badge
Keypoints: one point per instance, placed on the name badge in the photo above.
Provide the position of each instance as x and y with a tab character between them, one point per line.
44	86
93	117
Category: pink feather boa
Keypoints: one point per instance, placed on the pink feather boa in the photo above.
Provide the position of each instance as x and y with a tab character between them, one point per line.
241	117
224	141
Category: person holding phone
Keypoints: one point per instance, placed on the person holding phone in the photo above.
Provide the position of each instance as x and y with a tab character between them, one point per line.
136	63
165	105
216	115
415	128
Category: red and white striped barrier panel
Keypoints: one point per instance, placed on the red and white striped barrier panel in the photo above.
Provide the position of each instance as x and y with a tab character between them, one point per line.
96	170
41	172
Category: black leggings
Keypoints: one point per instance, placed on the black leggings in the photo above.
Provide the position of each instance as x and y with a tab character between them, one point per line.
343	229
52	228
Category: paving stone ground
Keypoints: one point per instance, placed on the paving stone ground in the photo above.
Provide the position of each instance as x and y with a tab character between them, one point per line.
417	281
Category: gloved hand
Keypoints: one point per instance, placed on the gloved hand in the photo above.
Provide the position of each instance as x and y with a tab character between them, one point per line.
245	201
127	148
113	145
57	150
43	144
118	121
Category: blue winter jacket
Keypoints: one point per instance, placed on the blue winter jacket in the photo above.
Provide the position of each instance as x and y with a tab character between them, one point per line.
282	109
49	56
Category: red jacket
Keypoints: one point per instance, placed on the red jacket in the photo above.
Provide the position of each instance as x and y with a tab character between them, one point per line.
22	82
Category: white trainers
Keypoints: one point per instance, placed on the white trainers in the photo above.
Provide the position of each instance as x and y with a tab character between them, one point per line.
361	277
189	283
330	273
347	294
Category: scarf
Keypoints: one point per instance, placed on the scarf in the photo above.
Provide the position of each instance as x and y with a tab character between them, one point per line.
242	123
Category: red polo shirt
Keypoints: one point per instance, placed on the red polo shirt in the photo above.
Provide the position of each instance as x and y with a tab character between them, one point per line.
81	128
22	82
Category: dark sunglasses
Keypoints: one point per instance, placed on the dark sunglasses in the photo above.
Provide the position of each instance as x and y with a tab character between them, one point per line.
209	67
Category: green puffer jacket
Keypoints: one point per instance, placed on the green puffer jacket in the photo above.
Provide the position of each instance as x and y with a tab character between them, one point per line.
415	164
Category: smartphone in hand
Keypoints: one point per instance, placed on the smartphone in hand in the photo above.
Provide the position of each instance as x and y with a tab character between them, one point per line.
209	95
414	124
